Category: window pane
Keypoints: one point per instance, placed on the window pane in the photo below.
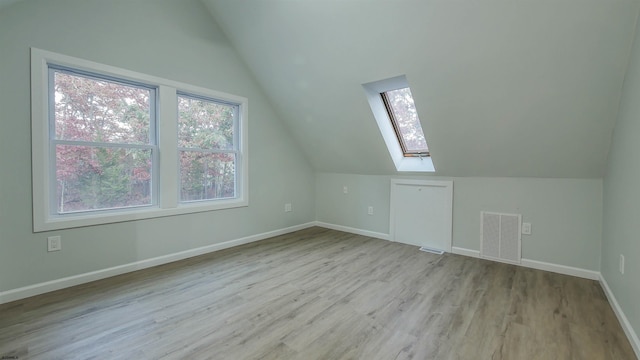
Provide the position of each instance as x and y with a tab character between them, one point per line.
204	124
88	109
94	178
205	176
406	120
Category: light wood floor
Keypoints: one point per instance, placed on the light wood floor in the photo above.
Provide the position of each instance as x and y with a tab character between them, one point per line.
320	294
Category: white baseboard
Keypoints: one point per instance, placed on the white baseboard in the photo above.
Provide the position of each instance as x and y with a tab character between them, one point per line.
561	269
41	288
534	264
356	231
465	252
540	265
624	322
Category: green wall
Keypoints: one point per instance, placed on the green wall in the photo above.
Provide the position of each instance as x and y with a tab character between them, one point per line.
566	214
176	40
622	198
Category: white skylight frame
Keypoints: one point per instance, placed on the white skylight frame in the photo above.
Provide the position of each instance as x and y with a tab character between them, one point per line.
378	108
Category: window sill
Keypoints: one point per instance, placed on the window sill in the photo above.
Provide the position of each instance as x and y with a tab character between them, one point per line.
414	164
69	221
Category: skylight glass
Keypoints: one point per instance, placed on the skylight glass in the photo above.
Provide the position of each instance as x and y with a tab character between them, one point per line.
404	117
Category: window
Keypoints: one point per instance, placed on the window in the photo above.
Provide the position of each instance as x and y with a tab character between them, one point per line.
406	124
396	115
208	147
103	142
114	145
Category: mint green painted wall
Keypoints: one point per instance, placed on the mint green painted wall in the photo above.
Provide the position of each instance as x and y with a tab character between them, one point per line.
622	198
172	39
333	206
566	214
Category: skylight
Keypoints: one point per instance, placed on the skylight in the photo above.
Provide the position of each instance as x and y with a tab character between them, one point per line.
395	112
406	124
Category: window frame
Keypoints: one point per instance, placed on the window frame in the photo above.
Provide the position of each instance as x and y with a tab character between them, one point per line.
167	163
236	140
53	141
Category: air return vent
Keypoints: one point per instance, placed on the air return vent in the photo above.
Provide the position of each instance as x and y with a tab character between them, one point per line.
500	237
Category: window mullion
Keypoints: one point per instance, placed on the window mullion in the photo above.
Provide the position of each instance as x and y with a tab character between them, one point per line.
168	139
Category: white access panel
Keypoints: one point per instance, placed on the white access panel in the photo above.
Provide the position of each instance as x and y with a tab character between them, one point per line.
422	212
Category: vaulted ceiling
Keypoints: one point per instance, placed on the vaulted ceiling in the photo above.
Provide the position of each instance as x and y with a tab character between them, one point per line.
524	88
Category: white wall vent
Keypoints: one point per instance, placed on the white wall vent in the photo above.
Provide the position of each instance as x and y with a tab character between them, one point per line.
500	237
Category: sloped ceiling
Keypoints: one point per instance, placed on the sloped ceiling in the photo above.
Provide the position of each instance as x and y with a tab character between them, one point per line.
526	88
503	88
4	3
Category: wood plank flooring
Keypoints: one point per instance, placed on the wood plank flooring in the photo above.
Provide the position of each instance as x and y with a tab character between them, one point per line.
320	294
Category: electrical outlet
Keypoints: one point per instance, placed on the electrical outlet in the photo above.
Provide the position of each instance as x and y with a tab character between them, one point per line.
621	264
370	210
345	189
526	228
54	243
287	207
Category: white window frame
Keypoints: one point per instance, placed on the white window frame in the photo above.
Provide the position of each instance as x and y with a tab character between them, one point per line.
235	150
53	142
402	163
167	167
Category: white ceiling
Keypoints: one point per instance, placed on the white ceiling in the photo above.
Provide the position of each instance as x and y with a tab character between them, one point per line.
503	87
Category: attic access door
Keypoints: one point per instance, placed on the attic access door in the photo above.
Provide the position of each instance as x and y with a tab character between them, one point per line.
421	213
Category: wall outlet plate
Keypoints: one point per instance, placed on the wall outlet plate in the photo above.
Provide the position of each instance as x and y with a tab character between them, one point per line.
287	207
54	243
